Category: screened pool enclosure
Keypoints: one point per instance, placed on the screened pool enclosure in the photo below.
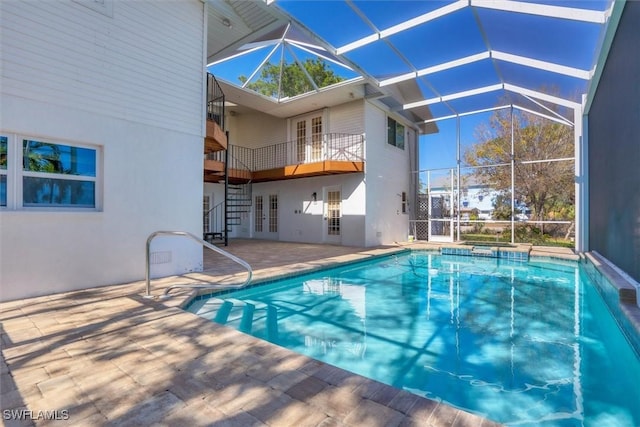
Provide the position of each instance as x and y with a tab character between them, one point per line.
444	61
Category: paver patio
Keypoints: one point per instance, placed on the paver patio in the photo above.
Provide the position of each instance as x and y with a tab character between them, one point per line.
108	356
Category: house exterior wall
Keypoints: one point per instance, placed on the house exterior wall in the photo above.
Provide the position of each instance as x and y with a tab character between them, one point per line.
371	202
302	220
388	174
614	150
256	129
347	118
127	79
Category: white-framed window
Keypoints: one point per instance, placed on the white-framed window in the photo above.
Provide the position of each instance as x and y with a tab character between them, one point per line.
43	173
395	133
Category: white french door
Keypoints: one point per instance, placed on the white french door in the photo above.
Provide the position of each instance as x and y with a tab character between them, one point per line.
308	139
265	216
332	215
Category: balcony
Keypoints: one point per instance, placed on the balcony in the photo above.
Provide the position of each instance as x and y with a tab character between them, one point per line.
326	154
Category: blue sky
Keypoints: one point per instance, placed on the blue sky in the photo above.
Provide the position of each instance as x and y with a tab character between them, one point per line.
457	34
439	150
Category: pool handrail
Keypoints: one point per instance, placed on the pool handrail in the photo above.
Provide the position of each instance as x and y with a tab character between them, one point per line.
205	244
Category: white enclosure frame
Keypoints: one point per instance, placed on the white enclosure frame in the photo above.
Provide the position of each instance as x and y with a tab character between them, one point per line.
580	185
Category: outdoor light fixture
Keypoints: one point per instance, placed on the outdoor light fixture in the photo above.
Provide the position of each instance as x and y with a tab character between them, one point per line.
314	196
226	22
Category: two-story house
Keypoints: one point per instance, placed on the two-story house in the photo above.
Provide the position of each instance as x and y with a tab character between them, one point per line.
322	170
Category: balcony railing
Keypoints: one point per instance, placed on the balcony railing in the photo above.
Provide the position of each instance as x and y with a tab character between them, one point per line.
339	147
327	147
215	101
317	148
240	158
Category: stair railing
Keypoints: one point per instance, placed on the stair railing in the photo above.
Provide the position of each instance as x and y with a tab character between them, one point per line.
204	243
215	101
214	217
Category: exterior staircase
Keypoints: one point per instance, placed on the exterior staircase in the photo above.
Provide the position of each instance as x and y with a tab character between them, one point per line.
238	204
228	214
222	164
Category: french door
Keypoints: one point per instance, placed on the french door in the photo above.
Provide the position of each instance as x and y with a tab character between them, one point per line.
332	215
265	216
308	139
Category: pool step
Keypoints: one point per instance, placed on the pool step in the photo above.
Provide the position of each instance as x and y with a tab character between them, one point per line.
510	254
247	316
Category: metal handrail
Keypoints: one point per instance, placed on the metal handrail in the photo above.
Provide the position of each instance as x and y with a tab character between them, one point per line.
315	148
328	146
215	101
204	243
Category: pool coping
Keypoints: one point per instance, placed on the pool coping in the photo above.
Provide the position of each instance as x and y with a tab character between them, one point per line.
619	293
265	276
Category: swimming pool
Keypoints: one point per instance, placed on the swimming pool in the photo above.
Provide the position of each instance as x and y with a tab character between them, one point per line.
520	343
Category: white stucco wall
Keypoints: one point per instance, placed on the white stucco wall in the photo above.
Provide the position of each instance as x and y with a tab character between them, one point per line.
129	84
302	220
387	176
255	129
371	202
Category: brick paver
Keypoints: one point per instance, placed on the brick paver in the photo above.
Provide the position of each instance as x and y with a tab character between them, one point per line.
108	356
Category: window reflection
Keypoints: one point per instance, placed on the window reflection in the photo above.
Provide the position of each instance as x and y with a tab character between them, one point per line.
55	158
58	192
3	190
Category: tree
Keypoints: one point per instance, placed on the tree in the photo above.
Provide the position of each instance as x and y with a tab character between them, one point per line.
501	207
294	80
547	188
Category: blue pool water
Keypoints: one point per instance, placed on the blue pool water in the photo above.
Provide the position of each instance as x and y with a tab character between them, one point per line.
520	343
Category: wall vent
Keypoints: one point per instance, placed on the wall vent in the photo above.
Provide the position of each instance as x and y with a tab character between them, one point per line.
160	257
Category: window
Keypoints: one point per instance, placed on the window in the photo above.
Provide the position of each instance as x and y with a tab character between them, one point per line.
58	175
395	133
405	202
301	140
316	139
258	212
206	213
47	174
334	202
273	213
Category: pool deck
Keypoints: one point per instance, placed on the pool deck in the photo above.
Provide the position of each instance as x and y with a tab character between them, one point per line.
109	356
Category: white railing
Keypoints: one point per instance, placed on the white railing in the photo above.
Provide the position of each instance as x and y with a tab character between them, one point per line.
330	146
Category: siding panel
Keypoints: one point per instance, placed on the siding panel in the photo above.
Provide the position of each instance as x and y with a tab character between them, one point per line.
347	118
66	54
